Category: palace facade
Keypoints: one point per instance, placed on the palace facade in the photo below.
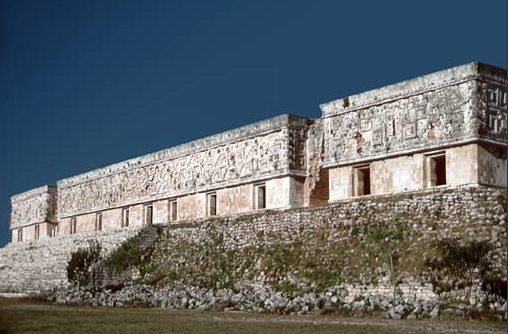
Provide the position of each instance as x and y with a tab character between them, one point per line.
446	129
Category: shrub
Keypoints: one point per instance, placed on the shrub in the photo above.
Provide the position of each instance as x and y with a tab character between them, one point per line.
82	261
130	255
494	286
124	257
462	260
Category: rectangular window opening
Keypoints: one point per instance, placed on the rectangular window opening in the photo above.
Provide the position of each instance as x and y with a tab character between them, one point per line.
148	214
125	217
36	232
260	193
98	222
437	170
20	235
361	180
72	228
211	200
173	210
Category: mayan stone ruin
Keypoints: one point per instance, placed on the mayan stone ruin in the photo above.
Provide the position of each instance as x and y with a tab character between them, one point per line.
444	130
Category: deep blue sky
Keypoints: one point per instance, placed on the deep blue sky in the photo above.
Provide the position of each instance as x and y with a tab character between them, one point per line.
84	84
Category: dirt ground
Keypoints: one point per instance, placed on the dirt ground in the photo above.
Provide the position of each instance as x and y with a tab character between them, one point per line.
30	317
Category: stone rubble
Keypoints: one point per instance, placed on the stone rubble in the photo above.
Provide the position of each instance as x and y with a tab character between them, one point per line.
265	300
41	265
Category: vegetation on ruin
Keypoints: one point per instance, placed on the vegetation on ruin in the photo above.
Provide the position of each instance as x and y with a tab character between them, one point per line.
368	247
466	261
320	259
80	268
389	240
130	255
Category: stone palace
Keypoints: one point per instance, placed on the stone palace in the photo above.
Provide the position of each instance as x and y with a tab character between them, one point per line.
446	129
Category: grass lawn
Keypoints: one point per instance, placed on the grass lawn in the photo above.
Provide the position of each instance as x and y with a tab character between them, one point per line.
30	317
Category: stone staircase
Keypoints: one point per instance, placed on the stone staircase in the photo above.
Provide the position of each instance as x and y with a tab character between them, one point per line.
41	265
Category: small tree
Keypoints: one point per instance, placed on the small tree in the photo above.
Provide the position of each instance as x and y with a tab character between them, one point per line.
462	260
82	260
389	238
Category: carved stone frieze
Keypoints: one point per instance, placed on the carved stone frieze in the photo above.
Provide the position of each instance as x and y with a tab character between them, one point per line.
252	158
492	111
34	206
440	115
451	108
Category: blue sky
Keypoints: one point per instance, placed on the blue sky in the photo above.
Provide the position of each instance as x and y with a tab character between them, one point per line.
84	84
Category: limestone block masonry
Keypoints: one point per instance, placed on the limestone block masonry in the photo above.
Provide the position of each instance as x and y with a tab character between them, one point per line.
466	213
441	131
273	148
397	133
41	264
440	109
34	208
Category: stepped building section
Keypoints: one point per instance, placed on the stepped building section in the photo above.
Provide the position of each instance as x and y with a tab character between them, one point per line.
447	129
444	129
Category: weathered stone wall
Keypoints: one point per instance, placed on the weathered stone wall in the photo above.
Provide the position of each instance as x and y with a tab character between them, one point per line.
465	164
445	212
468	213
429	112
492	165
267	149
444	129
41	264
395	129
34	206
315	188
33	213
281	192
490	100
330	240
254	254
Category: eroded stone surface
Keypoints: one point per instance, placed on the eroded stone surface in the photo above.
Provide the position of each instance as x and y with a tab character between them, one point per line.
34	206
443	130
439	109
266	149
